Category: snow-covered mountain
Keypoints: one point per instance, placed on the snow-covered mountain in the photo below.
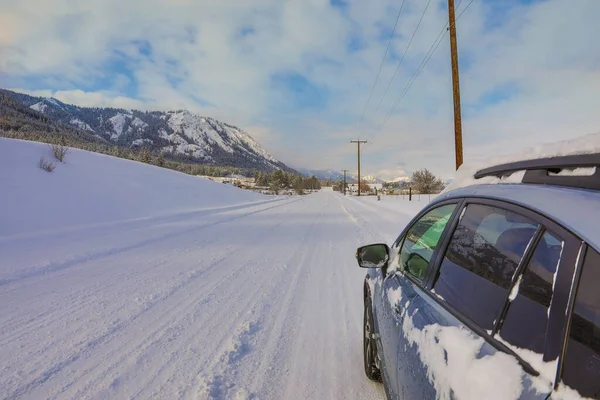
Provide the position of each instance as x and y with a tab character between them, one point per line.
368	178
181	134
323	174
400	179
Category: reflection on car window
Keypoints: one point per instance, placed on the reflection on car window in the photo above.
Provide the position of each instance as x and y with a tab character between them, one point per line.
422	239
479	264
530	306
582	360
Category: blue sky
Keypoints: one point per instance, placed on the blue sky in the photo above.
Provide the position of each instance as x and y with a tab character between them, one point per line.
297	75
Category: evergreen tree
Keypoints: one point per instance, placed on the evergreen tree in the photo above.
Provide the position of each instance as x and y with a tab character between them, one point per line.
160	160
277	181
145	155
298	184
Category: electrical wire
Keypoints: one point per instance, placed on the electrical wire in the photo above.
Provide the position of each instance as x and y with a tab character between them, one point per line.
382	61
436	43
402	58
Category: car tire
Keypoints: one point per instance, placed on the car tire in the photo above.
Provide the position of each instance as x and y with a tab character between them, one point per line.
369	344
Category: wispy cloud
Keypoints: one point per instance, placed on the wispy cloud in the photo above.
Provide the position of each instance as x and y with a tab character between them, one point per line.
298	73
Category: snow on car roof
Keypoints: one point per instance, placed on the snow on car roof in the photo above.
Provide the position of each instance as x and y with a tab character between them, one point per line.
576	209
587	144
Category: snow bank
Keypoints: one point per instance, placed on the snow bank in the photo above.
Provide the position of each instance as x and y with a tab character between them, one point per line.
587	144
93	188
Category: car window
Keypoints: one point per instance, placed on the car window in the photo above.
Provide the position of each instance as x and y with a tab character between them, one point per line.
525	323
582	360
478	268
422	239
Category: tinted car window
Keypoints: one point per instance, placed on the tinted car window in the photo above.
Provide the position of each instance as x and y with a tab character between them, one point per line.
422	239
525	323
481	259
582	360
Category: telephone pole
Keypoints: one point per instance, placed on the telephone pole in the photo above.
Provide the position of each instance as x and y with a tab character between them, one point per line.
358	142
345	170
458	150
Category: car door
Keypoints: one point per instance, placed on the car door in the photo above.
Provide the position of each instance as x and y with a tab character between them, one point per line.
580	360
460	325
420	243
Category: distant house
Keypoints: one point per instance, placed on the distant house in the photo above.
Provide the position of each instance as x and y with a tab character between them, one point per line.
232	179
353	187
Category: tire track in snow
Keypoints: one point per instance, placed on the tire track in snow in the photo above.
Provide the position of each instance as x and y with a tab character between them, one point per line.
69	311
218	386
133	223
323	361
224	345
45	269
114	330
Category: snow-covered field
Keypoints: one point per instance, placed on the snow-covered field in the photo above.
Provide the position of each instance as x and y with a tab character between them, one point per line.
123	280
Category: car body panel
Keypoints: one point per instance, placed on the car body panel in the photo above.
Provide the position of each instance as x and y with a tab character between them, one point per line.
409	316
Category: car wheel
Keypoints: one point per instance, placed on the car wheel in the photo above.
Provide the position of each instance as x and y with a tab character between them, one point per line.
369	345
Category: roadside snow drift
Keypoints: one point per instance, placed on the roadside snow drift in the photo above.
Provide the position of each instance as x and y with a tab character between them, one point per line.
91	188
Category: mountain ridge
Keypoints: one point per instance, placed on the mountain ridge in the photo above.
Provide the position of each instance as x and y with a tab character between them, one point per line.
180	134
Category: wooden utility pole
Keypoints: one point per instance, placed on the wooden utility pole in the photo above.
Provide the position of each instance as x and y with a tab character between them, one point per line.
358	142
458	150
345	170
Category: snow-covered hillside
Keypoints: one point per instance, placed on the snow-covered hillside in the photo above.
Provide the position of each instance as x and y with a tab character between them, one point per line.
123	280
91	188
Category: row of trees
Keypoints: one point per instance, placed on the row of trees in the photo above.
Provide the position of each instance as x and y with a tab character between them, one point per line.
279	180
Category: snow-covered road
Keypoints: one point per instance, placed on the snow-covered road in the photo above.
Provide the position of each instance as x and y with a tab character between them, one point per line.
257	301
123	280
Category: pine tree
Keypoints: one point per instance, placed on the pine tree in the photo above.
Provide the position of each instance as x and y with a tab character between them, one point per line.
277	181
160	160
145	155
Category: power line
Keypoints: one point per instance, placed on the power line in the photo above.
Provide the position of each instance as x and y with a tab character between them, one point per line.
432	49
424	62
402	58
382	61
464	9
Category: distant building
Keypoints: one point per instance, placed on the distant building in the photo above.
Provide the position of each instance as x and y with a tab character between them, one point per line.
231	179
353	187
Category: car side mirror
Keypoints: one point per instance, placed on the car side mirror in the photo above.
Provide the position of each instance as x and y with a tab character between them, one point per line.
373	255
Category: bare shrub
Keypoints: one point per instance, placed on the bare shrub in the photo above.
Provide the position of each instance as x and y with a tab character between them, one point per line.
425	182
59	151
46	165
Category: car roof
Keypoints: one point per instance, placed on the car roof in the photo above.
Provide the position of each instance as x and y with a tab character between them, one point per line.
578	210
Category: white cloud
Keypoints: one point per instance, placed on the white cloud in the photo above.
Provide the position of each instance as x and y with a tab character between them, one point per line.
35	93
541	55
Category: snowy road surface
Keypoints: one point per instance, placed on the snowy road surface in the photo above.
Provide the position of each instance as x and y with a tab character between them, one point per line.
262	301
123	280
